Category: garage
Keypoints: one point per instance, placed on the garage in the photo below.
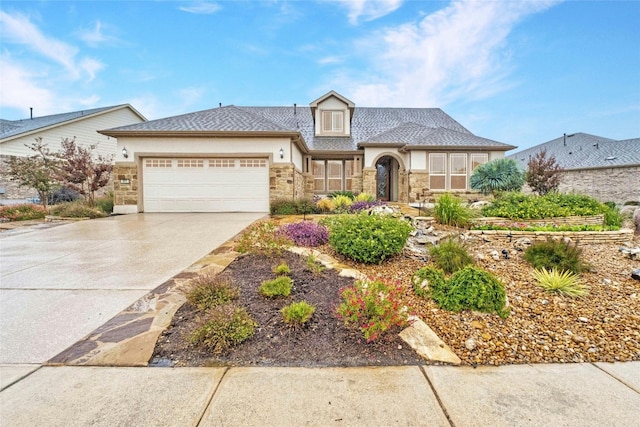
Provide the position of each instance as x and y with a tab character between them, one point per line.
205	185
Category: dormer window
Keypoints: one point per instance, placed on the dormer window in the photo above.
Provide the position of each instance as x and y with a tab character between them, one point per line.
333	121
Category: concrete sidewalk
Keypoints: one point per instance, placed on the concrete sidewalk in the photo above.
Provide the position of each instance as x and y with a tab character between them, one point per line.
598	394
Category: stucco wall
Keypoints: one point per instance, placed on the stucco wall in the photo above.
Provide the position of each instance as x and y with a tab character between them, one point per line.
607	184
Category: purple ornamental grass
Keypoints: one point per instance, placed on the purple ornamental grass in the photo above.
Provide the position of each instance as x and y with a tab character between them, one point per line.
306	233
363	206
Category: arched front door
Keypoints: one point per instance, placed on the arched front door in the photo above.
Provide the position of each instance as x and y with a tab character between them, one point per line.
387	179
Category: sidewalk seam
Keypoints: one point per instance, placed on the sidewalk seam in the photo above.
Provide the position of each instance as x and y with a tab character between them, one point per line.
435	393
616	378
215	390
21	378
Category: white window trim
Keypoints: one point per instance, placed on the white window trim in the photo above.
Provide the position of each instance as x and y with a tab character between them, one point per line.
325	178
443	156
453	156
335	122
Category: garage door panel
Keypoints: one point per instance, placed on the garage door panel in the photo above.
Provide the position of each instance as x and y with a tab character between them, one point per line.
213	185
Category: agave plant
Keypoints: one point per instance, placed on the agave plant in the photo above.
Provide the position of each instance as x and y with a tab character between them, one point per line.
563	282
496	176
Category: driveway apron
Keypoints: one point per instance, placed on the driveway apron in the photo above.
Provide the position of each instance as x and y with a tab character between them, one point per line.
58	284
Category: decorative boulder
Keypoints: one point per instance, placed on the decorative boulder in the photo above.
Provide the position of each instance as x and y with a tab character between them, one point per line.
522	244
635	274
636	220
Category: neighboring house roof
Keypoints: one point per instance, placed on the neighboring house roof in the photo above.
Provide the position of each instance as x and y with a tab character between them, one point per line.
583	151
403	126
10	129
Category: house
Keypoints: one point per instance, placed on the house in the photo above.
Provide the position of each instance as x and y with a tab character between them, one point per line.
242	158
16	135
603	168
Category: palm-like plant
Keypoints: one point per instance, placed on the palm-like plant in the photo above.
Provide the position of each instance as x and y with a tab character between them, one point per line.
497	176
562	282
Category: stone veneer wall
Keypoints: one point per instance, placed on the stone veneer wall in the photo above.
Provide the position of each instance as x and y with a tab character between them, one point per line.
418	186
356	184
565	220
369	180
619	184
300	184
281	181
125	194
580	238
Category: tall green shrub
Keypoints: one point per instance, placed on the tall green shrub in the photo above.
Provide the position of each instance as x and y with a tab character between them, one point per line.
497	176
369	239
449	211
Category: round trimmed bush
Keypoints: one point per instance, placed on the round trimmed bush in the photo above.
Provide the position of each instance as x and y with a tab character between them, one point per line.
473	289
428	280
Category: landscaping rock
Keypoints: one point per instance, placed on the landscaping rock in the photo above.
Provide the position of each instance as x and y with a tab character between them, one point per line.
636	220
427	344
635	274
495	255
383	210
522	244
470	344
479	204
632	253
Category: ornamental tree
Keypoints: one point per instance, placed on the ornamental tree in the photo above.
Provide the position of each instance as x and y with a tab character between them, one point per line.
81	170
543	173
39	171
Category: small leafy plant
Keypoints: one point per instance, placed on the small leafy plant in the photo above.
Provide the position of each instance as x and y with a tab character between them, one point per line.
369	239
562	282
306	233
373	306
313	265
208	291
22	212
553	254
298	313
223	327
449	210
282	269
471	289
450	256
427	278
263	239
280	286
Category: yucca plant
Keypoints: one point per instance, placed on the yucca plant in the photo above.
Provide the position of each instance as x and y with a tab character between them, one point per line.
562	282
497	176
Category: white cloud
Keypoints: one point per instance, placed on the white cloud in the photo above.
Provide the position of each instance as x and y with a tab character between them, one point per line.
20	90
91	67
330	60
369	10
458	52
97	36
201	8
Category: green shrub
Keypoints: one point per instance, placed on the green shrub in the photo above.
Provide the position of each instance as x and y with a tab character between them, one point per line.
551	205
472	289
450	256
497	176
612	216
427	279
372	306
562	282
283	207
553	254
263	239
342	202
223	327
369	239
282	269
208	291
105	204
298	313
22	212
449	211
77	209
280	286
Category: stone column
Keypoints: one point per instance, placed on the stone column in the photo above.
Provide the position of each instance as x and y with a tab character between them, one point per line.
125	189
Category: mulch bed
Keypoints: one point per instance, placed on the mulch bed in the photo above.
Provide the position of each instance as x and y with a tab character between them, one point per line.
323	341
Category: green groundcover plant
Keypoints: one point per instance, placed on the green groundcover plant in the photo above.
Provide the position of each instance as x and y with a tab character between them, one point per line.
369	239
280	286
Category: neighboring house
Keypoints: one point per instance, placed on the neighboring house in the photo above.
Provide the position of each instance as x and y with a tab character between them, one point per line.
603	168
16	135
243	158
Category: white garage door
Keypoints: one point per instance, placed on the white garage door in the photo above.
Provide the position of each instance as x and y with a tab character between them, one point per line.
206	185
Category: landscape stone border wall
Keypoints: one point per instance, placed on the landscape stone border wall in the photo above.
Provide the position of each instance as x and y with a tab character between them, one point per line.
565	220
580	238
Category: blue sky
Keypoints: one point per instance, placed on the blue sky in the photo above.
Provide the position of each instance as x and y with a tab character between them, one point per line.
520	72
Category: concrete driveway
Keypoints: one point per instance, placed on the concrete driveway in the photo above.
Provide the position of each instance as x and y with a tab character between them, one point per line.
58	284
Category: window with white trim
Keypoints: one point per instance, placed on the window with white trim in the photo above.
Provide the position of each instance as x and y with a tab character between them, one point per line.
458	171
333	121
190	163
332	175
222	163
478	159
253	163
437	171
158	163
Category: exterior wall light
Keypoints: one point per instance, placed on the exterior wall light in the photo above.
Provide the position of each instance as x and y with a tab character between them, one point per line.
125	153
281	153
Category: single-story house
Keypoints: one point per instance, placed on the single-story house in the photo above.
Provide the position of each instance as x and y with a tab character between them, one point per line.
603	168
242	158
16	135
